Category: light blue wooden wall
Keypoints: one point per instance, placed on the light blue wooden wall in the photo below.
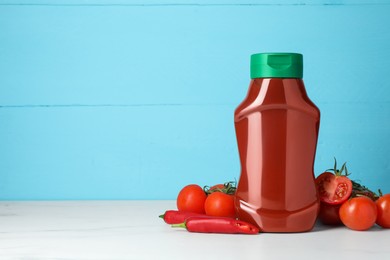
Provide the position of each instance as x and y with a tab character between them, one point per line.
132	99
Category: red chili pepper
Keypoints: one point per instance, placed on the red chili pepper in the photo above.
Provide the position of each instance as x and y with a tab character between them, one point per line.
177	217
218	225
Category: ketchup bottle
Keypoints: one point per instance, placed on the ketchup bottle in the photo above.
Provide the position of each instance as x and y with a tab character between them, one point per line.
277	129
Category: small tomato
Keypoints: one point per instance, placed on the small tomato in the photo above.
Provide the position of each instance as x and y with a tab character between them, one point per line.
383	207
191	198
333	189
329	214
358	213
220	204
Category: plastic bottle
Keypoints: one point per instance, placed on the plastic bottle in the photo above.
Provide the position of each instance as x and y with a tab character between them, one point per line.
277	129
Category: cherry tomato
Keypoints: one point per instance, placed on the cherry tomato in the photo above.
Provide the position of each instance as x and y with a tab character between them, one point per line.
227	187
358	213
383	206
333	189
217	187
329	214
191	198
220	204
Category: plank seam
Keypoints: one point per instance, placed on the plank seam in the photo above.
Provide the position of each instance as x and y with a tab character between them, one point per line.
187	5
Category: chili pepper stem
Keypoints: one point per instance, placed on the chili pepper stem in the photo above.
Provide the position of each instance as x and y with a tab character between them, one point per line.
162	216
181	225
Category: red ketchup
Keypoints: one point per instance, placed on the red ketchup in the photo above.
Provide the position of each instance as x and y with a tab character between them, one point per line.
277	129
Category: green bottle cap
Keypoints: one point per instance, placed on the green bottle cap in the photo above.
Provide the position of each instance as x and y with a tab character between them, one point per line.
276	65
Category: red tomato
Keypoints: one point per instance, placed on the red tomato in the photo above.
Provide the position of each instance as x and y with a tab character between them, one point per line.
333	189
358	213
227	187
383	206
191	198
220	204
217	187
329	214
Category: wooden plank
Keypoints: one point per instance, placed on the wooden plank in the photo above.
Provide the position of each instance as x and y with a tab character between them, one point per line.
176	55
150	152
191	3
113	153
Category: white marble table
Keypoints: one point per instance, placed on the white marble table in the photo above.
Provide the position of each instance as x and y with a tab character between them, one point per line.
112	230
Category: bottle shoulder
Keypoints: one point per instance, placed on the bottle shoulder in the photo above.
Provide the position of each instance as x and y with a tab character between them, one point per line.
265	94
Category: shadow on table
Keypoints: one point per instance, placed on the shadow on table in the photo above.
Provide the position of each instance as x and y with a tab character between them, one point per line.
322	227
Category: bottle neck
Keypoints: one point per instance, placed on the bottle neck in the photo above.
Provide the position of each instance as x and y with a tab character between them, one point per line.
277	90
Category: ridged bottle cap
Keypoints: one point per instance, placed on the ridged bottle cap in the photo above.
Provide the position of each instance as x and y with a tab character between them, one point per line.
277	65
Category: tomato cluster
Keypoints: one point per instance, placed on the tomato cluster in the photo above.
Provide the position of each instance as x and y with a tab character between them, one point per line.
208	210
344	201
216	201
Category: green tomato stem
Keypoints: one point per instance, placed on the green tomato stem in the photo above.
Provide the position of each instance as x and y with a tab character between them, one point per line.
360	190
